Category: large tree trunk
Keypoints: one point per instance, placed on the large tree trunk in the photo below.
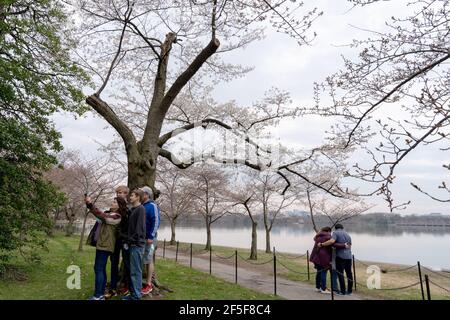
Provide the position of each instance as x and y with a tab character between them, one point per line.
268	249
142	155
208	234
254	248
80	246
172	229
141	170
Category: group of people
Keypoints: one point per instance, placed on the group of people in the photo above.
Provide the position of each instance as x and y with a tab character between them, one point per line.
129	228
337	261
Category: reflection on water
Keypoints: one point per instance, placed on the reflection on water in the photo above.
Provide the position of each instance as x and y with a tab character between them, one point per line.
393	244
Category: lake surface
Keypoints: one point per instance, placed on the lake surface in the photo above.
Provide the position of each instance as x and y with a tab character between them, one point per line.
404	246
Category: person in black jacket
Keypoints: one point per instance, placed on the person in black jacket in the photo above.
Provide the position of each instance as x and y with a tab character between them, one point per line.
122	277
135	243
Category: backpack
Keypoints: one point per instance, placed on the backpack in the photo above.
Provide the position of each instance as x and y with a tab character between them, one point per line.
93	234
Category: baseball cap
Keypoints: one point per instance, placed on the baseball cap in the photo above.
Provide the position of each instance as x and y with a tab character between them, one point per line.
148	191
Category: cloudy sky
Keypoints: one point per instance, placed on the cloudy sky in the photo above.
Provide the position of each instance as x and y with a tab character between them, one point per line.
280	62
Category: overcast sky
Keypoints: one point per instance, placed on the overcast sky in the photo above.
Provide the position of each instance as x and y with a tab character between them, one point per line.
280	62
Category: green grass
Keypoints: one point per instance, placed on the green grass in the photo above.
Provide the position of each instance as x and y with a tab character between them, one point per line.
47	280
299	265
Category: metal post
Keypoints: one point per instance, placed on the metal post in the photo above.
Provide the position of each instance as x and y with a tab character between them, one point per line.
354	271
190	262
331	279
421	281
210	259
176	254
274	272
427	283
307	263
236	265
164	249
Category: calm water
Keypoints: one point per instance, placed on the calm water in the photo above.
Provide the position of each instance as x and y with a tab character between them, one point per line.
430	247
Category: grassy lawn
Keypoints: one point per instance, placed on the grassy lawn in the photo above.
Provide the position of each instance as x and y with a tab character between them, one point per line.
47	280
298	272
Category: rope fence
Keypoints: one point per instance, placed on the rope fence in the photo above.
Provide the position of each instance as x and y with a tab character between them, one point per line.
399	288
399	270
223	258
254	263
384	270
440	287
291	258
276	262
385	289
295	271
436	272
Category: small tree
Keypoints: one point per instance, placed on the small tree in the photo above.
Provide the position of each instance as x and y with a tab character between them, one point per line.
209	191
76	176
245	197
271	194
338	211
175	199
308	193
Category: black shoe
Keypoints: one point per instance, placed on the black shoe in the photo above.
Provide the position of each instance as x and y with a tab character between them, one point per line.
110	294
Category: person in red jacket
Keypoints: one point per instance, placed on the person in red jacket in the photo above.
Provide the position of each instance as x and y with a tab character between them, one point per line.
321	257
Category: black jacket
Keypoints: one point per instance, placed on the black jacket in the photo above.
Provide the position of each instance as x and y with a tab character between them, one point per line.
122	231
136	227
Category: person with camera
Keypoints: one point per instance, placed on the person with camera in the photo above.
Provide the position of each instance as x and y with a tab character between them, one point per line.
106	240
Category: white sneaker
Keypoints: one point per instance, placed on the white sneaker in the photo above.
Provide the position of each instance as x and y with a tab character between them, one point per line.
318	290
326	291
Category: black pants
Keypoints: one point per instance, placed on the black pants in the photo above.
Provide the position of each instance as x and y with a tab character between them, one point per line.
341	266
115	258
117	276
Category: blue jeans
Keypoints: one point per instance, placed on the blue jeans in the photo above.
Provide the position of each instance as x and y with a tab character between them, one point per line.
101	259
321	277
334	280
136	254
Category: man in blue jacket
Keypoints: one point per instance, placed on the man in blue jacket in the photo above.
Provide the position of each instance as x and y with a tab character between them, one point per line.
153	216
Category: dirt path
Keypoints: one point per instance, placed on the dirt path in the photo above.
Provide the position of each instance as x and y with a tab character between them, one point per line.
256	278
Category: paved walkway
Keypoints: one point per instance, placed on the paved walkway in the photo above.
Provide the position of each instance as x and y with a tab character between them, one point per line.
258	280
